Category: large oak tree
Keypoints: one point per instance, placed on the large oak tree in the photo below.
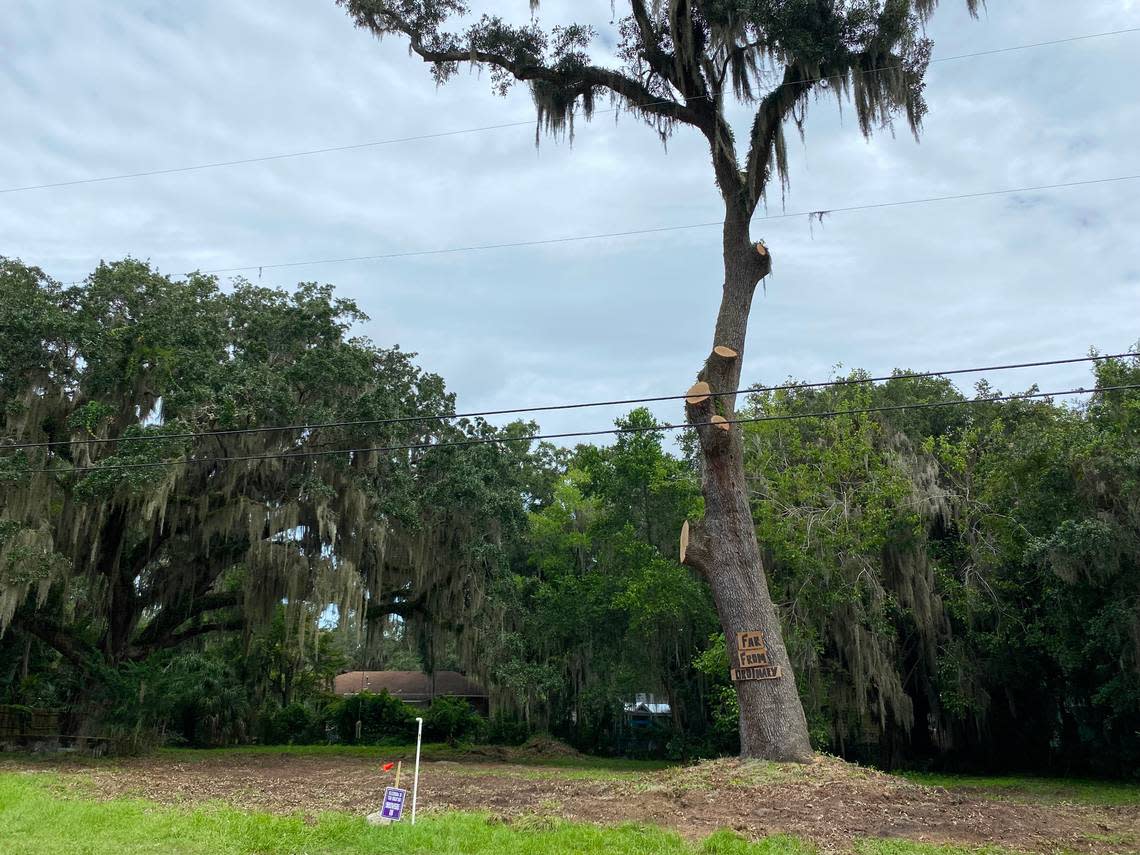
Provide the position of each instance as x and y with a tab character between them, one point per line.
683	62
144	504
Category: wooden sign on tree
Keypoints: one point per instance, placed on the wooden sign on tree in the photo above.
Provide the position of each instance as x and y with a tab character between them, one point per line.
752	658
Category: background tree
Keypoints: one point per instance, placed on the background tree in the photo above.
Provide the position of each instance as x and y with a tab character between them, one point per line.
682	62
958	585
601	610
1046	595
845	508
108	565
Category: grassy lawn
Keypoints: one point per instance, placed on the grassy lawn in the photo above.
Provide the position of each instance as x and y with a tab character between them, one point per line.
38	815
1078	790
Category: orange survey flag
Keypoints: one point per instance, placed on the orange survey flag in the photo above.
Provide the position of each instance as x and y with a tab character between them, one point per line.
387	767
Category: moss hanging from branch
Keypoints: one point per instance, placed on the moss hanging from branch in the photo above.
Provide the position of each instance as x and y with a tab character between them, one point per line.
163	551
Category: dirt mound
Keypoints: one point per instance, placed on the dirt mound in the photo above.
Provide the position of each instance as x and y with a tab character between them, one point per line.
545	746
538	747
734	773
833	803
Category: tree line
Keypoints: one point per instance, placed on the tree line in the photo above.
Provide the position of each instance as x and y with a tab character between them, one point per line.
958	586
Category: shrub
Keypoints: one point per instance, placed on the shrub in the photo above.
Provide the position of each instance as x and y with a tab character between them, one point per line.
294	724
381	716
454	720
504	730
189	698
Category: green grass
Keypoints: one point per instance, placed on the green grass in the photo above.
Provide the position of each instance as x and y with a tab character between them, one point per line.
39	815
1079	790
905	847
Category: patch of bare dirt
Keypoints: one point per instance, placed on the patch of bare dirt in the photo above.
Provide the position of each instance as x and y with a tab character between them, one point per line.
828	801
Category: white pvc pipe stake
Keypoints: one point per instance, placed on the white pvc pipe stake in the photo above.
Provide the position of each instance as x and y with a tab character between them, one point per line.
416	779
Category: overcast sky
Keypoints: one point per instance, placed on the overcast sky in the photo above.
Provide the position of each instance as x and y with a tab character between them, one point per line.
94	88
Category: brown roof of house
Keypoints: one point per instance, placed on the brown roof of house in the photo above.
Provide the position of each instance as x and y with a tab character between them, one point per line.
413	685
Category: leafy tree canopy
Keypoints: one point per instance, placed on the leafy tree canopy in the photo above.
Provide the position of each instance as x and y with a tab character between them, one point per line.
131	532
679	61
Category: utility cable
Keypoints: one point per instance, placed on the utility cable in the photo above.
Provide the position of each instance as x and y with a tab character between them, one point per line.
429	446
661	229
440	134
12	446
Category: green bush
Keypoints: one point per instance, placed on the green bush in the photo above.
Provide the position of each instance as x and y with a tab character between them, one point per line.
504	730
294	724
192	699
453	720
381	716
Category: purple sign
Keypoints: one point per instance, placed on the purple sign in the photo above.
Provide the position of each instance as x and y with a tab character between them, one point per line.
393	805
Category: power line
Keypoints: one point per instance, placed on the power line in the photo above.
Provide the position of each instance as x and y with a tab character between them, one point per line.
13	446
268	157
663	229
1065	40
440	134
428	446
417	253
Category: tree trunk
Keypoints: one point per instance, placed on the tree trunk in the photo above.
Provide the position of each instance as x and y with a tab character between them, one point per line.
723	545
113	564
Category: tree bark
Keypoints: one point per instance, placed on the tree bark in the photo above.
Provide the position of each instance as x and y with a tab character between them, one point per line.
70	647
723	545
